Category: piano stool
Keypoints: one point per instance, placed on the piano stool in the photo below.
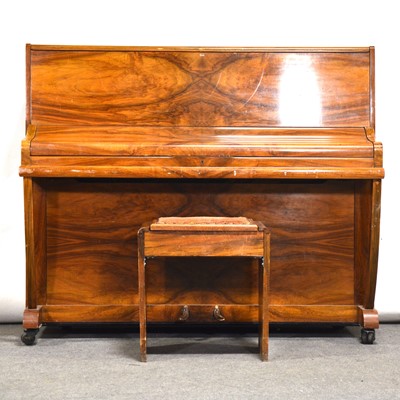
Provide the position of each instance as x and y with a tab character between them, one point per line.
205	237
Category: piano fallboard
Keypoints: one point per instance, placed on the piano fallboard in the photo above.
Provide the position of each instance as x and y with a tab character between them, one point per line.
201	152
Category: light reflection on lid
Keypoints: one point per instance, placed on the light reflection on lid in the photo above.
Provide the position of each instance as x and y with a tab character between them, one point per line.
299	93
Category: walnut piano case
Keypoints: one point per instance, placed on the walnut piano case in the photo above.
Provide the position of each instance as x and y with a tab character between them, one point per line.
119	136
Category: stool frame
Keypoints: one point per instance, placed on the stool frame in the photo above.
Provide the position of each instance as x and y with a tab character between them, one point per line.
212	240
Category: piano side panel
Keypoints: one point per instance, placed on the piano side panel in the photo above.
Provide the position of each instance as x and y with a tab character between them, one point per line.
91	242
194	88
367	223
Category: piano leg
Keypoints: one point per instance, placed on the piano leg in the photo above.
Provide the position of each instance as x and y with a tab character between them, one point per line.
369	321
31	323
367	213
36	240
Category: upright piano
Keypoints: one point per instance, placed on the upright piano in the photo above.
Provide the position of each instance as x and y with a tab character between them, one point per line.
119	136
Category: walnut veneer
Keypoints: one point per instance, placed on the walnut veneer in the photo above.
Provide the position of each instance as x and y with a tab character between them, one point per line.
118	136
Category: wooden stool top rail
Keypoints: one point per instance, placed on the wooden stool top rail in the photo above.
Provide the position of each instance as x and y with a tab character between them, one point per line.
205	237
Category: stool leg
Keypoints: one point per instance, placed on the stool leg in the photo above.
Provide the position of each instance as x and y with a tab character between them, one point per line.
263	300
142	296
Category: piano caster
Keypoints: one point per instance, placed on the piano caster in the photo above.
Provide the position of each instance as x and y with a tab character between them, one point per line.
367	336
29	336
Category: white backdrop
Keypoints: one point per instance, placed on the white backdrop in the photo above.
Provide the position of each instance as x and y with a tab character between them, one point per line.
193	23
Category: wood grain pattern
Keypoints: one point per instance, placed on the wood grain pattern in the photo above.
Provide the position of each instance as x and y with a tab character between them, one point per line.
200	88
145	141
240	172
28	106
306	153
368	195
173	104
32	318
117	137
201	314
246	245
372	87
370	282
97	221
368	318
36	243
26	145
90	313
51	164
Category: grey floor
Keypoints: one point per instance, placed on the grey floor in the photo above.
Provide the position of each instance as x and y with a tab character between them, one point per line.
102	363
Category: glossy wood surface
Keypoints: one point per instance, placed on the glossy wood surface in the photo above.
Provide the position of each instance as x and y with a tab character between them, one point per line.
36	243
200	88
246	245
201	113
117	137
98	220
207	142
234	313
223	172
368	206
202	152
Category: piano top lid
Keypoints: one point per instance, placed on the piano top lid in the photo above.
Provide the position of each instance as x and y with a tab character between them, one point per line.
125	141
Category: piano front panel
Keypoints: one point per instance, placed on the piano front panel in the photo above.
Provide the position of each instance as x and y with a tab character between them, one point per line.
200	88
91	243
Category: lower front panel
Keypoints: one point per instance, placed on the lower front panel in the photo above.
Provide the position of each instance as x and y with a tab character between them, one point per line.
92	229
